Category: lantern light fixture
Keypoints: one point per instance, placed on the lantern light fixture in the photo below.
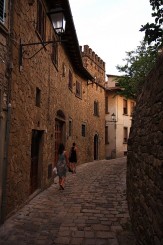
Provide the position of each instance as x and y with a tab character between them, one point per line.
113	117
58	21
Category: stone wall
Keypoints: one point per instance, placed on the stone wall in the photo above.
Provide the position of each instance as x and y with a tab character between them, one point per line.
145	161
5	76
94	64
40	72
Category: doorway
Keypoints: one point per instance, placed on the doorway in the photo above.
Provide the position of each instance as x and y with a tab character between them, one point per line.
35	160
59	128
96	147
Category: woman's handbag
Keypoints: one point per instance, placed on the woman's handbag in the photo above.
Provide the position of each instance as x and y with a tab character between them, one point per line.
55	170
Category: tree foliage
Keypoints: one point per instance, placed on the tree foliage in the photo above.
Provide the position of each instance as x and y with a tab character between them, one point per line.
138	63
154	31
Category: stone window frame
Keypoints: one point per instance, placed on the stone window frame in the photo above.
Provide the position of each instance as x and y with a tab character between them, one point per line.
70	126
96	108
132	105
63	69
79	89
83	129
125	107
70	80
38	97
2	10
54	54
41	20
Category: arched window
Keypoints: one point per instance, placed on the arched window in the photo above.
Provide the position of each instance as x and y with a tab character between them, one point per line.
60	115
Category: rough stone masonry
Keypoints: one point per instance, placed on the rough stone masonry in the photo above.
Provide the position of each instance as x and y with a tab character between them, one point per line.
145	161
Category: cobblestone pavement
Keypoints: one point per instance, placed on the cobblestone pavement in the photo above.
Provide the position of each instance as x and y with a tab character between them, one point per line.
92	210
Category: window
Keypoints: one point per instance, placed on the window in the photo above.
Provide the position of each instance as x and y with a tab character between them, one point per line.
96	108
125	135
132	107
83	130
78	89
2	10
63	70
70	127
70	80
55	52
41	20
106	105
38	97
125	110
106	135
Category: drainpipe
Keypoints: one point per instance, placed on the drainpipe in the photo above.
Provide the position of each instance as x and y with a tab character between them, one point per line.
8	119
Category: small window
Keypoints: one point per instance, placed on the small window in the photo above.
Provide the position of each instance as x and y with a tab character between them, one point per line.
41	20
2	10
55	53
70	82
63	70
78	89
125	109
125	133
38	97
70	128
96	108
83	130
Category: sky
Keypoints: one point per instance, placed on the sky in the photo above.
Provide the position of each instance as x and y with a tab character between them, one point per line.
110	27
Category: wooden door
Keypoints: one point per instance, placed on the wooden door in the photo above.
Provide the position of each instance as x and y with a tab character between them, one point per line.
96	147
35	152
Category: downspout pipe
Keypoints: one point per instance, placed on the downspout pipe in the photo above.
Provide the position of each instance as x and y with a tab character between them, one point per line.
8	119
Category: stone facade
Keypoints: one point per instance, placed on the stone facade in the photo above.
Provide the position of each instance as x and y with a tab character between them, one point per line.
117	127
46	108
94	64
145	161
5	78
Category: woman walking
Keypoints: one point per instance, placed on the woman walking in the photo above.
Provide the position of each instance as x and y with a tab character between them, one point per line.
61	166
73	158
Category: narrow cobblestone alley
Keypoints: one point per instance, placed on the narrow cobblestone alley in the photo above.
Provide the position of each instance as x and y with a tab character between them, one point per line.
92	210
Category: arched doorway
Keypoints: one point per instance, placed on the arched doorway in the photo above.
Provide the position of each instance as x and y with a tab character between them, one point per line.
59	131
96	147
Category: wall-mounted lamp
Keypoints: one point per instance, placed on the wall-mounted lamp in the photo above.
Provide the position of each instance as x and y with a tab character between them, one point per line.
113	117
57	19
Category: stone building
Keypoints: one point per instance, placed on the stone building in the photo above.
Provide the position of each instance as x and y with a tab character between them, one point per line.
54	98
145	161
117	119
5	78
